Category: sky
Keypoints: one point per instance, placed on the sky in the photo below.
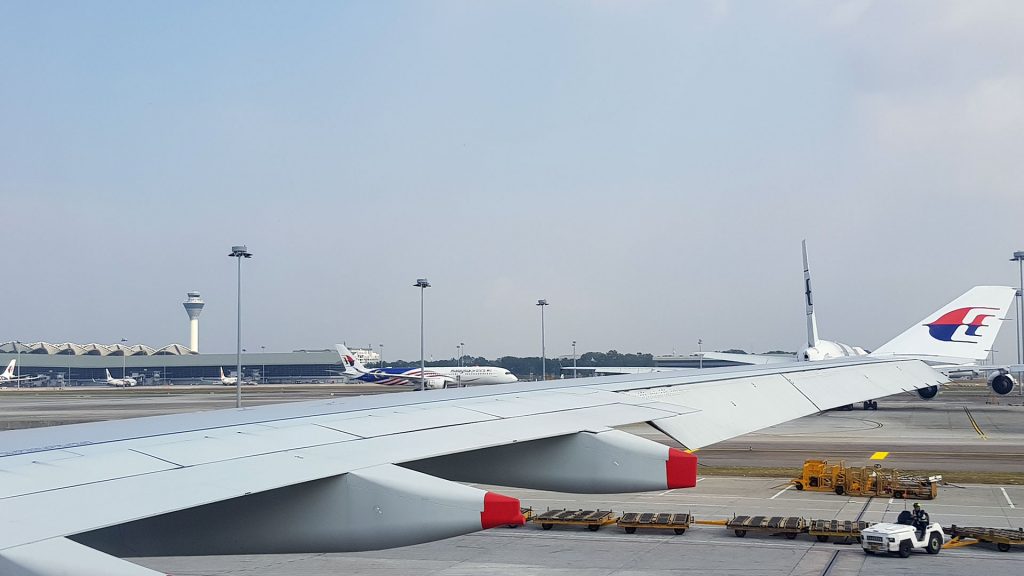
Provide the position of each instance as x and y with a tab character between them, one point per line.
647	167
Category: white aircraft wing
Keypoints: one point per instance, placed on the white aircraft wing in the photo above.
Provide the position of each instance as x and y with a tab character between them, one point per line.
382	471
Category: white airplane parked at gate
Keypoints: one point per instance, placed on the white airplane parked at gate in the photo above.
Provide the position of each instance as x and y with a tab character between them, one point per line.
382	471
124	382
433	378
232	380
8	377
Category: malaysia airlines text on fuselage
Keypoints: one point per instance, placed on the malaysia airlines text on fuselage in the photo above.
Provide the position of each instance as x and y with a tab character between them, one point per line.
464	376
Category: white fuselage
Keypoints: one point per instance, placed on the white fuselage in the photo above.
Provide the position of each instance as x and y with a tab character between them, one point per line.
442	376
121	382
827	350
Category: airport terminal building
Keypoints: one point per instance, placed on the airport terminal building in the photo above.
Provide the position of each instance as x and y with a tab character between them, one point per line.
70	364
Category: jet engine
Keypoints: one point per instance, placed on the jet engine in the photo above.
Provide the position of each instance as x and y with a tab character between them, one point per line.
928	393
434	382
1001	382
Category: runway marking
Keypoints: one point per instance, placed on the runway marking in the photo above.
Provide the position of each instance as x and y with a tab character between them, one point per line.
779	493
974	423
879	456
674	489
1007	496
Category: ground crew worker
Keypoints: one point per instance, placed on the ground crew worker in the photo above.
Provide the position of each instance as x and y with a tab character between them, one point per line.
921	519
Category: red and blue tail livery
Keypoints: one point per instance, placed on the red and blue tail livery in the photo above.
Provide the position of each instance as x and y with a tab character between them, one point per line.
945	328
961	332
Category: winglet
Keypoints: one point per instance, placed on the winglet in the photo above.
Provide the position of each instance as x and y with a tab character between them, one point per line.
812	323
960	332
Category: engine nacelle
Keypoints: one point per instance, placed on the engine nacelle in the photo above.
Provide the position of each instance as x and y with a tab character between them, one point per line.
928	393
368	509
1001	382
435	383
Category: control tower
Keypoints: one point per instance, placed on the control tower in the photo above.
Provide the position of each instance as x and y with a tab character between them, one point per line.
194	306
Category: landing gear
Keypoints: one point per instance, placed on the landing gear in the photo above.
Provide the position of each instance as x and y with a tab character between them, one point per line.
870	405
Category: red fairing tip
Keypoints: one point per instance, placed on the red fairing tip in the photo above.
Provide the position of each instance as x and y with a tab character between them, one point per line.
680	469
500	511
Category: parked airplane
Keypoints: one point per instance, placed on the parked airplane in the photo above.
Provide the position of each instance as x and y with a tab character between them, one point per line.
232	380
120	382
373	472
433	378
8	377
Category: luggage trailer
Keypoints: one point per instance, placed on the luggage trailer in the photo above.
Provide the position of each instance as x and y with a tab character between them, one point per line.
1001	537
592	519
630	521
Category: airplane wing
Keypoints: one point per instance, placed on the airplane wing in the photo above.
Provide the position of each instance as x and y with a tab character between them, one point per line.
382	471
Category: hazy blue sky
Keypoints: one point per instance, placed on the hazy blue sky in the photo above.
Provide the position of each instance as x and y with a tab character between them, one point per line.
648	167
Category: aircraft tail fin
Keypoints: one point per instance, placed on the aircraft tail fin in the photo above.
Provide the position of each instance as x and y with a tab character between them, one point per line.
9	371
221	368
353	367
108	374
960	332
812	323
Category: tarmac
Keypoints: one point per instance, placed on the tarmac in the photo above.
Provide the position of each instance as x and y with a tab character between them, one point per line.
703	549
962	429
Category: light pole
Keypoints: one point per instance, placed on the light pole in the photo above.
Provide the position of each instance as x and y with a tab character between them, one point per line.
239	252
543	363
17	362
700	353
124	358
462	352
263	366
381	355
574	372
422	284
1018	256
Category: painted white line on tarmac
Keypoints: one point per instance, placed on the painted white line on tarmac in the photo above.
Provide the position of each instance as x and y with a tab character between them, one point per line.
779	493
1007	496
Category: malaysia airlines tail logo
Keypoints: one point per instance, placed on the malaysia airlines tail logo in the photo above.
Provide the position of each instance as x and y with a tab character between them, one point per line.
949	323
